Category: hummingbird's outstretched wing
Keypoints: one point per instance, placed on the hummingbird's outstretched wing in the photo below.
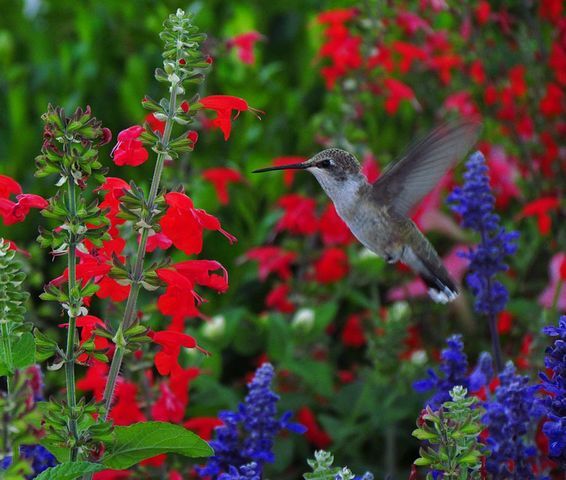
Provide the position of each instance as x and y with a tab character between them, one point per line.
405	182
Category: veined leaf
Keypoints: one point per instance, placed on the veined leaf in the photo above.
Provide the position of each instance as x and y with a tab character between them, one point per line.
139	441
70	471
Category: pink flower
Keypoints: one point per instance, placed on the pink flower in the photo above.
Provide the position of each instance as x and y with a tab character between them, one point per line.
557	272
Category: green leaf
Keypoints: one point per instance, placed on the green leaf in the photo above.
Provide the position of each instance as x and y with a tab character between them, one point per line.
139	441
62	454
23	351
70	471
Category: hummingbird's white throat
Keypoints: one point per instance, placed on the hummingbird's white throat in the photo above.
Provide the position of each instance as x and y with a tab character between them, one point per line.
344	191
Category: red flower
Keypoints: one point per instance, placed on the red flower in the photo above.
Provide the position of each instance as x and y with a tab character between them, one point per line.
158	240
180	299
87	325
444	64
199	272
333	230
95	379
129	150
551	10
16	212
483	11
9	186
353	333
314	434
299	217
461	102
288	175
224	105
517	80
331	266
184	224
126	409
114	188
172	403
336	16
272	260
408	53
395	92
203	426
557	270
155	124
552	104
166	360
541	208
278	299
220	178
477	72
504	322
244	45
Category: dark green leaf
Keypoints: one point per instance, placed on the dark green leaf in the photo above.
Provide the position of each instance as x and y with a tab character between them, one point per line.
70	471
145	440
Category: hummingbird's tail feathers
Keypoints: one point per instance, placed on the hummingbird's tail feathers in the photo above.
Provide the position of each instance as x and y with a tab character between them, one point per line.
441	288
437	288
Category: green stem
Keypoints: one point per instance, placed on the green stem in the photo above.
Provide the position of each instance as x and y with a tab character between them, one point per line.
137	272
71	330
6	420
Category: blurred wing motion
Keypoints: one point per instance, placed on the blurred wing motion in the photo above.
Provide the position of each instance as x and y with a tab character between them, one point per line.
405	182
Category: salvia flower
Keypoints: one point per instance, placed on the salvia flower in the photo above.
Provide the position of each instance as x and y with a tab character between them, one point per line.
555	387
454	366
474	201
246	438
508	417
129	149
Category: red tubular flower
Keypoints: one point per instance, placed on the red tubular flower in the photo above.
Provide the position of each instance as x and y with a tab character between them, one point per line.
199	272
482	12
114	188
408	54
87	325
504	322
166	360
174	398
540	208
411	23
129	150
126	409
16	212
158	240
224	105
244	45
155	124
220	178
278	299
9	186
462	102
95	379
331	266
314	434
184	224
180	299
288	175
272	259
333	230
299	217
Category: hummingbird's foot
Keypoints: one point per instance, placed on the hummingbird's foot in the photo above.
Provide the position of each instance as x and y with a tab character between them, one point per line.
394	257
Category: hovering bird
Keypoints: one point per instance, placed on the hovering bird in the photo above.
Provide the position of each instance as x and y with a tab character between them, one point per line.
378	213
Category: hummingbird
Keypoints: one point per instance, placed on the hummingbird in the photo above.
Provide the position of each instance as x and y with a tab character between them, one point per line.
378	214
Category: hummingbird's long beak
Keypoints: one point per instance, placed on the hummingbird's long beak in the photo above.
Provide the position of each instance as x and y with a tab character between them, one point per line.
292	166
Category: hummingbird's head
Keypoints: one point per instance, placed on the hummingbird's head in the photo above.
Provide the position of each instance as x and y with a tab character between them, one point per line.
333	168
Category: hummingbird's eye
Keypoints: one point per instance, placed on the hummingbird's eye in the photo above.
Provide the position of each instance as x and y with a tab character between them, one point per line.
326	163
